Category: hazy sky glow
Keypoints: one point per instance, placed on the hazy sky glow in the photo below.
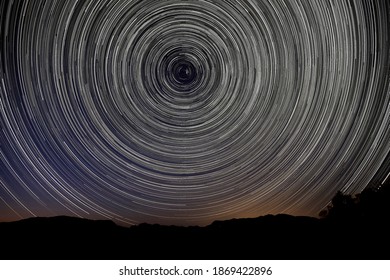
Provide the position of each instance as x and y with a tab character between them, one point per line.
184	112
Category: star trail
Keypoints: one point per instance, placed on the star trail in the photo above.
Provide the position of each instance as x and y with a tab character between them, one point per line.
186	112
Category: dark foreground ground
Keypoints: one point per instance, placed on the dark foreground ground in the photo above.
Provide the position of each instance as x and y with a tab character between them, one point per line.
267	237
353	227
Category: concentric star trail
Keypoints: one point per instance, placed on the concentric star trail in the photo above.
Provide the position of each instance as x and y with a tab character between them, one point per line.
185	112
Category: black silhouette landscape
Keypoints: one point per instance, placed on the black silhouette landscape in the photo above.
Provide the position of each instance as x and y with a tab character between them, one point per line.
353	227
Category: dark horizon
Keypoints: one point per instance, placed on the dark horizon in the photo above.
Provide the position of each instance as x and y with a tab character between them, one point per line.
376	196
352	227
156	222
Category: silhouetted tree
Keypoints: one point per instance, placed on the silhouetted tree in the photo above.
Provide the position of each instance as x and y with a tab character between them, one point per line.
371	203
343	206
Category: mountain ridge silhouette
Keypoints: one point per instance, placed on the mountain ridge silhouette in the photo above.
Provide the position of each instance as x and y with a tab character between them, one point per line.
266	237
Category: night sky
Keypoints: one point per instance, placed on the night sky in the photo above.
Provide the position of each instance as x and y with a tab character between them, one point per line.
186	112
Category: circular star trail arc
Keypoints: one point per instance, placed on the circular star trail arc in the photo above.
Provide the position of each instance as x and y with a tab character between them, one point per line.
184	112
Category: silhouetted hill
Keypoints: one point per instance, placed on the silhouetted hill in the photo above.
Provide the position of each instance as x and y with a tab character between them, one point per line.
267	237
